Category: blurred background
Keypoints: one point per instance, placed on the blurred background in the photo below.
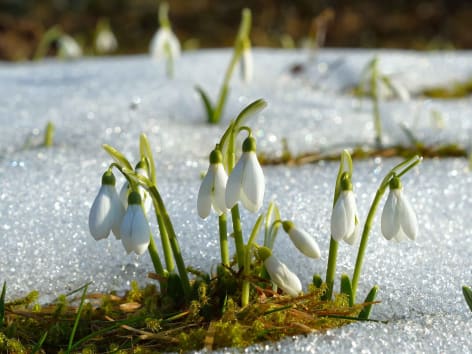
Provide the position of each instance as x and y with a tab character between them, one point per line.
423	25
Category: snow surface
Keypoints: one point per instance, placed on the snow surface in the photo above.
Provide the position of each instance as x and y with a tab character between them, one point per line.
46	194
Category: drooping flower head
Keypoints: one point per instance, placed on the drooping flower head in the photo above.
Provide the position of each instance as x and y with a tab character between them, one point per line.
212	189
134	230
145	196
164	44
246	62
246	181
279	273
344	219
105	39
398	219
107	211
305	243
68	47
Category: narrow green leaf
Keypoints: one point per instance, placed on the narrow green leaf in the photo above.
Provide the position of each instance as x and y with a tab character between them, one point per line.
346	288
38	345
77	319
218	111
2	304
146	152
317	281
467	295
49	135
119	158
207	103
250	110
365	313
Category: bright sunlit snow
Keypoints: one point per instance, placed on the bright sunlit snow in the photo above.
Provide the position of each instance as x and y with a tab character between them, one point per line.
46	194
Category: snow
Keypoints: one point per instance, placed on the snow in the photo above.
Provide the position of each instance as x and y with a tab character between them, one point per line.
46	194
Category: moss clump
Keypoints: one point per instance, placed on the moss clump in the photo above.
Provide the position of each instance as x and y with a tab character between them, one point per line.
140	321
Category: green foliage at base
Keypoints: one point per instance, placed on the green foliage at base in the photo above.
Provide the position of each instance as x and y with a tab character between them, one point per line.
143	320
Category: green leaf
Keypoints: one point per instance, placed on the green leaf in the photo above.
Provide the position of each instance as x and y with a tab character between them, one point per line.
468	296
317	281
218	111
146	152
2	304
119	158
77	318
206	103
365	313
38	345
346	288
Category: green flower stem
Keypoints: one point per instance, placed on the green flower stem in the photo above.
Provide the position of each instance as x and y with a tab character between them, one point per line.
156	260
50	36
331	270
173	241
408	165
224	248
345	165
243	36
238	235
245	291
365	238
166	247
163	15
374	88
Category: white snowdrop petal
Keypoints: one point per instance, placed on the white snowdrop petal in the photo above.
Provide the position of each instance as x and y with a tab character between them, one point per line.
338	220
140	232
118	212
305	243
204	195
124	191
101	215
407	217
282	276
219	188
233	186
389	222
351	211
247	65
126	228
252	183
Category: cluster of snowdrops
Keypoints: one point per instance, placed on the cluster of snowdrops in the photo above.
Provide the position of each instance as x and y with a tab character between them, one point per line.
227	184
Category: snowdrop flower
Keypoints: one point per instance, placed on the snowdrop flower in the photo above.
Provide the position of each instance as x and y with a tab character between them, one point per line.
246	181
105	41
134	230
279	273
107	211
145	197
246	62
302	240
212	189
344	219
68	47
165	44
398	219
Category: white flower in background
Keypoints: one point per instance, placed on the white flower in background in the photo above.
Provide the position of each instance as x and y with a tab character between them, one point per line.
305	243
247	62
105	40
246	181
398	219
145	196
134	230
344	219
212	189
279	273
165	44
107	211
68	47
